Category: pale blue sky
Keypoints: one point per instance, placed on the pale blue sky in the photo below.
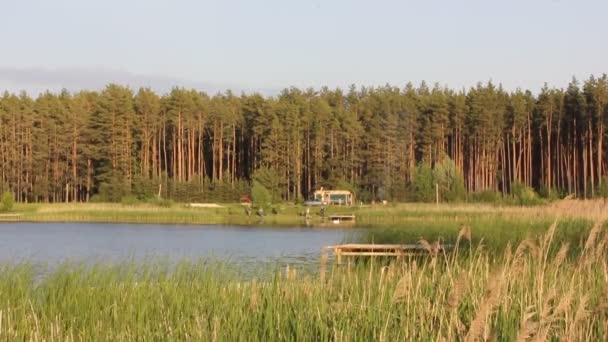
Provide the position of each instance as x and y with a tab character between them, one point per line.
267	45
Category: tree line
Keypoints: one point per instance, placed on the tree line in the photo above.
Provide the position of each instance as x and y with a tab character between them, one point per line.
188	145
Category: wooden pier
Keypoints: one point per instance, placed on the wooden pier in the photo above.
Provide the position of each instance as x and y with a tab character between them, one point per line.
341	218
372	250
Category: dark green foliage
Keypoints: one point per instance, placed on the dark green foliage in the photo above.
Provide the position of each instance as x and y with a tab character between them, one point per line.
444	177
450	181
552	194
145	188
602	190
487	196
269	179
260	195
113	188
524	195
129	200
423	184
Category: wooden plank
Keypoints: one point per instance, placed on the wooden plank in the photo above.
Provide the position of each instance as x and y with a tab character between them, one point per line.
375	246
395	250
377	254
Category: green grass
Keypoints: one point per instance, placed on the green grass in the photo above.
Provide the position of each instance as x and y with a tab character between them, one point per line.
494	234
468	295
285	214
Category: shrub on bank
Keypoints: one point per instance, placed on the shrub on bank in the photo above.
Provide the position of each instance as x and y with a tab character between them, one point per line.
7	202
423	184
486	196
129	200
602	189
443	177
524	195
260	195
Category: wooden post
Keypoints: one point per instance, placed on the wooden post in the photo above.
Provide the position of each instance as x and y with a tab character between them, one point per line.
339	255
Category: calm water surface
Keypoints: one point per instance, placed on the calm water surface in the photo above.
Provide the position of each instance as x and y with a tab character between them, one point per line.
53	243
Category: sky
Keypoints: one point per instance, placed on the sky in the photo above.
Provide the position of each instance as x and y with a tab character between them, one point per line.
264	46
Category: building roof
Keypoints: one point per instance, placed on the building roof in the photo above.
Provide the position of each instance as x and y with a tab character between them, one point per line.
336	192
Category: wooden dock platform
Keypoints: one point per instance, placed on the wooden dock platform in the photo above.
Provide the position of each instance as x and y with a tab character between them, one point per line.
390	250
341	218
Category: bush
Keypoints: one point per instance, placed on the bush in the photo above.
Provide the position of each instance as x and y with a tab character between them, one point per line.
7	201
602	189
98	198
114	187
423	184
268	179
445	176
524	195
145	188
161	202
260	195
129	200
486	196
550	194
451	183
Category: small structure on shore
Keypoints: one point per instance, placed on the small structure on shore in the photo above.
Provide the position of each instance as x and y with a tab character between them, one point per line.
338	197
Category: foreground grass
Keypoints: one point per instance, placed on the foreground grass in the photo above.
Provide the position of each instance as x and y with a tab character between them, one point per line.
534	290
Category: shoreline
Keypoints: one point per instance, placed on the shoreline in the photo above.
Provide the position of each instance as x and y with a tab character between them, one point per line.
392	215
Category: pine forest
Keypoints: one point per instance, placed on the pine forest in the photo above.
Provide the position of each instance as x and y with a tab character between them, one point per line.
190	146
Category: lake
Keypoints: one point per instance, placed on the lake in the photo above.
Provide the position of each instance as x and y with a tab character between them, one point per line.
54	243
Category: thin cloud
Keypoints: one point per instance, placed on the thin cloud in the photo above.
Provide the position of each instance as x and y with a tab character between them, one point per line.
36	80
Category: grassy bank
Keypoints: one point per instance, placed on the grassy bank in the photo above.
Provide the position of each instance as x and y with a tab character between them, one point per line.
407	215
535	289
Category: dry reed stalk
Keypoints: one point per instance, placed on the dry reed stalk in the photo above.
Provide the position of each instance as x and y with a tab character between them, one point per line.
254	297
459	288
290	273
561	255
323	267
527	244
564	305
600	249
549	236
527	327
580	314
545	310
216	324
593	233
455	296
492	299
426	245
383	275
390	272
403	287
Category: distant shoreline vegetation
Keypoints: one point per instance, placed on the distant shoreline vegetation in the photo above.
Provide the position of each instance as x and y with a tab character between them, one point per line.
386	143
408	216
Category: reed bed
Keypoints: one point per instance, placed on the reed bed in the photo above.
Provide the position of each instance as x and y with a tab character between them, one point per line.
533	290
